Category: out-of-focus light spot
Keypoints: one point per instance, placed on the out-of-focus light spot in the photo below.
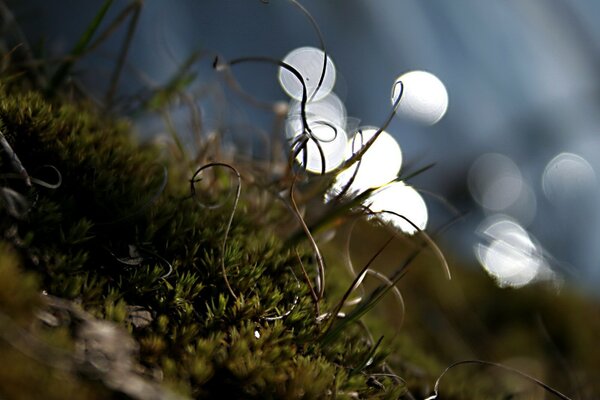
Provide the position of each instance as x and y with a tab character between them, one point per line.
331	147
308	61
568	177
328	109
523	209
495	181
501	193
379	165
424	96
257	334
509	255
403	200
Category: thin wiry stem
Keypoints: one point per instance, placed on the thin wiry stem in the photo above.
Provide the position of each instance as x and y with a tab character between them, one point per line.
375	296
294	304
38	181
318	257
218	64
16	204
165	262
348	261
246	96
14	159
341	211
441	199
434	247
230	221
300	144
368	358
45	184
348	184
356	156
496	365
313	294
387	281
314	24
378	275
357	282
136	259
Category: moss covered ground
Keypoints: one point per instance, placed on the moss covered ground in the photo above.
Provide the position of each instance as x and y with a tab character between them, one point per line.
128	272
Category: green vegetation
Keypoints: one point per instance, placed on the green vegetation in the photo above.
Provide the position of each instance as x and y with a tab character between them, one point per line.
125	272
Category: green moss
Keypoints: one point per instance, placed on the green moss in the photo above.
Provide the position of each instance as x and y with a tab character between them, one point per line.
107	239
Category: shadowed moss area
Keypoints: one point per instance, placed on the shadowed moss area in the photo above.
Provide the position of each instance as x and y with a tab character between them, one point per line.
121	254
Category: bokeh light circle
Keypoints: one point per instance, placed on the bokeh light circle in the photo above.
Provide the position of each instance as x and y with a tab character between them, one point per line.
308	61
568	177
509	255
424	97
495	181
403	200
379	165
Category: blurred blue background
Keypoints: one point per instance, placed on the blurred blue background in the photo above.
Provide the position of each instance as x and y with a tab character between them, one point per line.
522	77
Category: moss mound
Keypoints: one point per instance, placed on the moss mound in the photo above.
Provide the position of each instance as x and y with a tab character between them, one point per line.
121	239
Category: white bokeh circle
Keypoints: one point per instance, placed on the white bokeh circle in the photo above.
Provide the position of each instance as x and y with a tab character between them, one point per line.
308	61
424	97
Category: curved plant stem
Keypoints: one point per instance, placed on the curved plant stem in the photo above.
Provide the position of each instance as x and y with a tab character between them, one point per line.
230	221
318	257
496	365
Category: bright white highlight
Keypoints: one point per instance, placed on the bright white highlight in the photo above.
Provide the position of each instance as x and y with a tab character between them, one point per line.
510	257
328	109
332	141
403	200
424	97
568	177
308	61
379	165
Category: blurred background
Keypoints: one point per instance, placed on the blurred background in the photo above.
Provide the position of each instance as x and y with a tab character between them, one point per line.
520	140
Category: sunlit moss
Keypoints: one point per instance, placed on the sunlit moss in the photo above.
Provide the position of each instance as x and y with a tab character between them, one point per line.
106	239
